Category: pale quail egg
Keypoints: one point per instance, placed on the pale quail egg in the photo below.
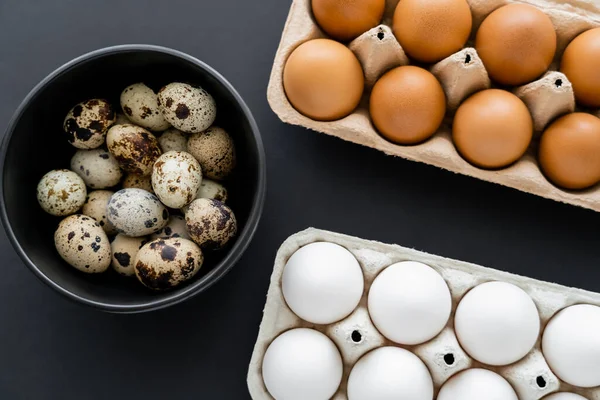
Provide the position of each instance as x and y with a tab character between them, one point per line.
98	168
173	139
176	178
210	189
124	251
95	206
165	263
140	104
121	119
82	243
61	192
188	108
86	123
175	228
215	151
210	223
136	212
138	182
133	147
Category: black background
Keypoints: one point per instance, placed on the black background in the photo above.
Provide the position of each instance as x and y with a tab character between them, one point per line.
51	348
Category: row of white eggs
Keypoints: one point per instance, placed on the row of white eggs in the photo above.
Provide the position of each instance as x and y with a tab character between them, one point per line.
496	323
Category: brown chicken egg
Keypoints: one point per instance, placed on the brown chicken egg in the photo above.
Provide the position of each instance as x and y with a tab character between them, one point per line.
323	80
581	64
516	43
407	105
346	19
492	129
430	30
569	151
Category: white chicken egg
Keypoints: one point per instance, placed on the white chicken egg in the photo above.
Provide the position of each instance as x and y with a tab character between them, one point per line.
409	302
302	364
477	384
322	283
571	345
564	396
497	323
390	373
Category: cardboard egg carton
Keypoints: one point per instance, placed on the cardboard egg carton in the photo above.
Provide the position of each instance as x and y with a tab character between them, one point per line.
356	335
461	75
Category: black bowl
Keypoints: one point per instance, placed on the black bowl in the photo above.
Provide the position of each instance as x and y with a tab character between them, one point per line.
35	144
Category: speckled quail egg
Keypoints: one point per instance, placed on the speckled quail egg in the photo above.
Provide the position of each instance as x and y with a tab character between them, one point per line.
165	263
86	123
121	119
173	140
188	108
138	182
215	151
136	212
124	251
211	224
176	178
175	228
98	168
95	206
210	189
61	192
82	243
140	104
134	148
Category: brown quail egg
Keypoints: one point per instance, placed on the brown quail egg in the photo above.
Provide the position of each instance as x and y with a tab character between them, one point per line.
210	223
215	151
134	148
140	104
176	178
188	108
210	189
95	206
82	243
138	182
136	212
121	119
124	251
86	124
98	168
175	228
61	192
165	263
173	140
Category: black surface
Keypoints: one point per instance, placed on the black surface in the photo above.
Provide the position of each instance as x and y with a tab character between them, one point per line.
104	74
52	348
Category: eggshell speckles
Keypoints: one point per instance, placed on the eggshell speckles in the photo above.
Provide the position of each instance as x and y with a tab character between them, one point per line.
61	192
176	178
86	123
210	189
133	147
175	228
98	168
140	104
82	243
124	251
215	151
95	206
210	223
136	212
165	263
138	182
173	140
188	108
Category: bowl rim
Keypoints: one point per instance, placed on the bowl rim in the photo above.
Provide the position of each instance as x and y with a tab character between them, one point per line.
233	254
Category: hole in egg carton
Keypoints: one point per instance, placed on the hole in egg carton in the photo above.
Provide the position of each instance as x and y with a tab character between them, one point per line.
541	381
356	336
531	377
449	359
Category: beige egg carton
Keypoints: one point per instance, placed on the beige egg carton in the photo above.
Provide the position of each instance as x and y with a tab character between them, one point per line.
531	377
461	75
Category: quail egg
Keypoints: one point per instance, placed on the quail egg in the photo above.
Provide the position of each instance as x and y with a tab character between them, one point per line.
121	119
95	206
176	178
140	104
82	243
61	192
173	139
124	250
138	182
175	228
133	147
86	124
136	212
188	108
215	151
98	168
165	263
211	224
210	189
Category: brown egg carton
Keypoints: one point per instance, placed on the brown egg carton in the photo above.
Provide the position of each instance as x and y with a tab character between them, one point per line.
530	377
461	75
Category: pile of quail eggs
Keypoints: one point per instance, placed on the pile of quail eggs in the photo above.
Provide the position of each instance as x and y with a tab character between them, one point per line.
147	178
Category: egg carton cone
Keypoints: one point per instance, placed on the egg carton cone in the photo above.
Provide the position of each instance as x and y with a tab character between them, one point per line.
459	80
355	335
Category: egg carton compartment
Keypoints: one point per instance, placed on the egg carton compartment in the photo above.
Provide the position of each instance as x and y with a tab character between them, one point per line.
356	335
461	75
